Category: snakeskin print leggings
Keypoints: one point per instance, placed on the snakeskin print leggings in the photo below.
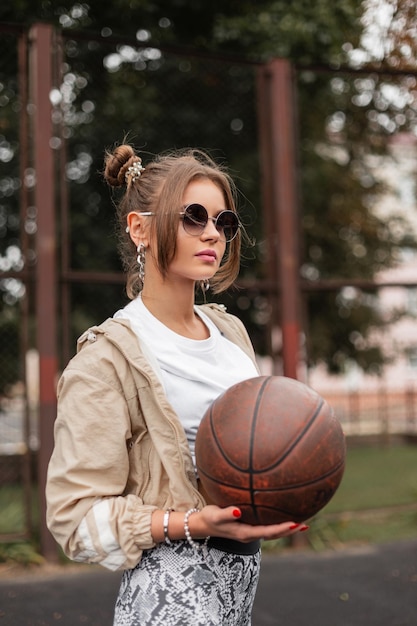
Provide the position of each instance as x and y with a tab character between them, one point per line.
178	586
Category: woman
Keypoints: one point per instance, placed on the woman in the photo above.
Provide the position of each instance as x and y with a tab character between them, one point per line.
122	487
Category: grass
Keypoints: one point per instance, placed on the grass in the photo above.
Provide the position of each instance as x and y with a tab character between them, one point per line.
376	502
374	527
13	522
12	507
377	478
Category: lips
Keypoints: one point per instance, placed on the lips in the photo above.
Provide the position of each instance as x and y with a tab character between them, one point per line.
207	255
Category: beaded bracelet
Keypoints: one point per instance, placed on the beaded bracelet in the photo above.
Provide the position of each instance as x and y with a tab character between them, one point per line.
194	544
166	522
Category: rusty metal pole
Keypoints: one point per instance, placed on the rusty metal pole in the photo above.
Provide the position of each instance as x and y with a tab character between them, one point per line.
280	198
280	175
269	228
41	81
24	242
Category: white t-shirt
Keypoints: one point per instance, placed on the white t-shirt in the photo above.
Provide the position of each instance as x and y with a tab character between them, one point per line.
194	372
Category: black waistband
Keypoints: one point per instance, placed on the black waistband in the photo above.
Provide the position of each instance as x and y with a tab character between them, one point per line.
234	547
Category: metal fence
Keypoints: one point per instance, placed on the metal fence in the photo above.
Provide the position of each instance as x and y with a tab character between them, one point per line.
56	224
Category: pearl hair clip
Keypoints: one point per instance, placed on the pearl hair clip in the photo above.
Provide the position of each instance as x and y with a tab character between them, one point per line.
134	171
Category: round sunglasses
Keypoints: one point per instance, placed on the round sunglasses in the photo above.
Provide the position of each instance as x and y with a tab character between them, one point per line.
195	219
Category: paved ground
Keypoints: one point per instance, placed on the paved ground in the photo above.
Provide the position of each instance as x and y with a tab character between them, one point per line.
369	586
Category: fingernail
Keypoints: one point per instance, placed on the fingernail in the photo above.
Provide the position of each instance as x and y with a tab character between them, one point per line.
236	513
294	526
304	528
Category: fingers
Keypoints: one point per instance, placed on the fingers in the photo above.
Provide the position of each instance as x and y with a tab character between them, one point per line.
221	515
284	527
277	531
227	522
300	527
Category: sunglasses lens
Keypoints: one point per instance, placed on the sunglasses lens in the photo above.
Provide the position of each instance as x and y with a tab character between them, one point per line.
195	219
228	224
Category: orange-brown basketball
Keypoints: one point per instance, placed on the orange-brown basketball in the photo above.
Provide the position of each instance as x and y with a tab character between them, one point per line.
273	447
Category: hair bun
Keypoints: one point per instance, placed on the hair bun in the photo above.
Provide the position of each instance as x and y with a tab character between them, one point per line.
116	164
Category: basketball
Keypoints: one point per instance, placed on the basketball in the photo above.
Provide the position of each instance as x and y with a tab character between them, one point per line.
273	447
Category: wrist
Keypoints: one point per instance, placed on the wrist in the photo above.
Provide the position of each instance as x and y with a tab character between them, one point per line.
193	519
171	524
190	533
166	526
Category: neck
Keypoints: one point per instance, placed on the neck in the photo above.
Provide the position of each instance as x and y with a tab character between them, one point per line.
175	309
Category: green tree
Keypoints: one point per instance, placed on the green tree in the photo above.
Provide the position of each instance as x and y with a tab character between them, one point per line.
344	118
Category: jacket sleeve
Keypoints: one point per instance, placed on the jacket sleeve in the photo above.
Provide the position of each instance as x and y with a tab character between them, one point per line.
87	511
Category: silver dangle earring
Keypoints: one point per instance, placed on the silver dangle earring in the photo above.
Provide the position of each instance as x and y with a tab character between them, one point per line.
206	284
141	262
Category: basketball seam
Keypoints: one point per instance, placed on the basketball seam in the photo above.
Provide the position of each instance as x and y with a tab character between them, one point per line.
295	442
252	443
219	447
316	479
286	488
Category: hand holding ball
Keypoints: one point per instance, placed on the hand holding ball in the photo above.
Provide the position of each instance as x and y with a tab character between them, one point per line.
273	447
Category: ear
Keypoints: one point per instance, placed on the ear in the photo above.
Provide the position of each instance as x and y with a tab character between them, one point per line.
138	228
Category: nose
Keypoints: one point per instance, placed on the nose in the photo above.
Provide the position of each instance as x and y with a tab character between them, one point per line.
210	231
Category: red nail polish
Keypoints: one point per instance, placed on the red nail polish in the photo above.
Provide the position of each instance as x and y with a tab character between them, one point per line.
294	526
236	513
304	528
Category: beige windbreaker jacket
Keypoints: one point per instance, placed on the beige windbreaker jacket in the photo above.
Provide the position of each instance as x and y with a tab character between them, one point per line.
120	450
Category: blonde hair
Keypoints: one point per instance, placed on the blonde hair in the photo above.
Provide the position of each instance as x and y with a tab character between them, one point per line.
160	188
